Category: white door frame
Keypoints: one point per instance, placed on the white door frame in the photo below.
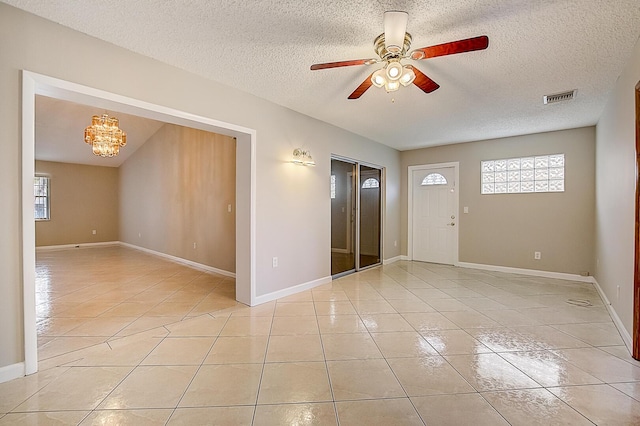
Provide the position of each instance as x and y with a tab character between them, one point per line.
37	84
456	174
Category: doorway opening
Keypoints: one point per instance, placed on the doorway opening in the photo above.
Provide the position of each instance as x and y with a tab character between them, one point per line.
356	216
36	84
433	213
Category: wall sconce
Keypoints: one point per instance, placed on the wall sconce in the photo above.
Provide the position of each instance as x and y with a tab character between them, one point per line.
302	158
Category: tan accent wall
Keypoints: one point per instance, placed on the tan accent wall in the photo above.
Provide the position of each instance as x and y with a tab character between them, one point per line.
83	198
506	229
175	191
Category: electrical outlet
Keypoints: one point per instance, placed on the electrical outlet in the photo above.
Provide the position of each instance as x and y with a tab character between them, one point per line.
194	245
274	262
395	243
229	208
537	255
139	234
94	232
618	293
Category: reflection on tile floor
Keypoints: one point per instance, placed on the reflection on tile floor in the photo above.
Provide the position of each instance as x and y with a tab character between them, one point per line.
128	338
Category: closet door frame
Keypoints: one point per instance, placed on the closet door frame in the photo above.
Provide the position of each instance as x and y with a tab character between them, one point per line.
358	188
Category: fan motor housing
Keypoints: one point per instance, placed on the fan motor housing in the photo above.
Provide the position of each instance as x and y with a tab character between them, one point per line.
384	53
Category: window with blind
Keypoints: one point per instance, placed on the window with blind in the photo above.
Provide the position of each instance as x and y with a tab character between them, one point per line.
41	194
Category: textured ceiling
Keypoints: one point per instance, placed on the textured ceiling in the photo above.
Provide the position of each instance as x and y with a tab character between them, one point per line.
536	47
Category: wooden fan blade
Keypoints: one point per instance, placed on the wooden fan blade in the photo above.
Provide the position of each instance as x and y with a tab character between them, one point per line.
362	88
423	82
451	48
343	64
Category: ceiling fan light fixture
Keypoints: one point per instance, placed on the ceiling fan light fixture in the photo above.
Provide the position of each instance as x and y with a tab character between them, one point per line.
394	71
392	86
407	76
392	47
378	79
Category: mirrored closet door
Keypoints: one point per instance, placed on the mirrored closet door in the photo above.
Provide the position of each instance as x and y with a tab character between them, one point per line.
356	205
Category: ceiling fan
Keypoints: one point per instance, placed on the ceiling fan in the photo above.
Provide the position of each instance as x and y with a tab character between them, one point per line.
392	47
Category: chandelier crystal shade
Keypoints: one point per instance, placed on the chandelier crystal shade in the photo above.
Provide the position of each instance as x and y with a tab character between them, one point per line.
104	136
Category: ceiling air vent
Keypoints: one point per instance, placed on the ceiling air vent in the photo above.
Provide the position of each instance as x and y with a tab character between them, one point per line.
559	97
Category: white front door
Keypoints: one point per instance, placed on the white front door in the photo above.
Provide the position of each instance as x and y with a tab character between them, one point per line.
434	215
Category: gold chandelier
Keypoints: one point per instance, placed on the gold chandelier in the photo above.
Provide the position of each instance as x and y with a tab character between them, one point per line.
104	136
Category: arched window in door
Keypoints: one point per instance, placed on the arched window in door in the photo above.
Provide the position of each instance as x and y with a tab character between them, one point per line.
371	183
434	179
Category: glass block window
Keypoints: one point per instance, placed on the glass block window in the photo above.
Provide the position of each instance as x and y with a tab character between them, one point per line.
434	179
333	186
370	183
543	173
41	193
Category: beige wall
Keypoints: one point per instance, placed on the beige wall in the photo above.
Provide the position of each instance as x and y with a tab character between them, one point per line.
175	191
292	204
615	193
83	198
505	230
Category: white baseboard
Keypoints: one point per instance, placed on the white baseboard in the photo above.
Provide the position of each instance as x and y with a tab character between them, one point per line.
291	290
626	336
624	333
392	260
195	265
339	250
79	245
10	372
530	272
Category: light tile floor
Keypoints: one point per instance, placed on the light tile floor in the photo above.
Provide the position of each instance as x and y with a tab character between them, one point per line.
127	338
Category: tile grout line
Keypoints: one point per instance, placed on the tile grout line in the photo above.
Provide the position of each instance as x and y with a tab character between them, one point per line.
264	363
387	361
197	370
94	409
326	364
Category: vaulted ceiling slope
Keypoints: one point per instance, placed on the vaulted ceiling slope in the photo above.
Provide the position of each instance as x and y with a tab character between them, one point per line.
60	132
266	47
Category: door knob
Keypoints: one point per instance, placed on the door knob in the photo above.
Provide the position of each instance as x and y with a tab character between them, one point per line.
451	224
